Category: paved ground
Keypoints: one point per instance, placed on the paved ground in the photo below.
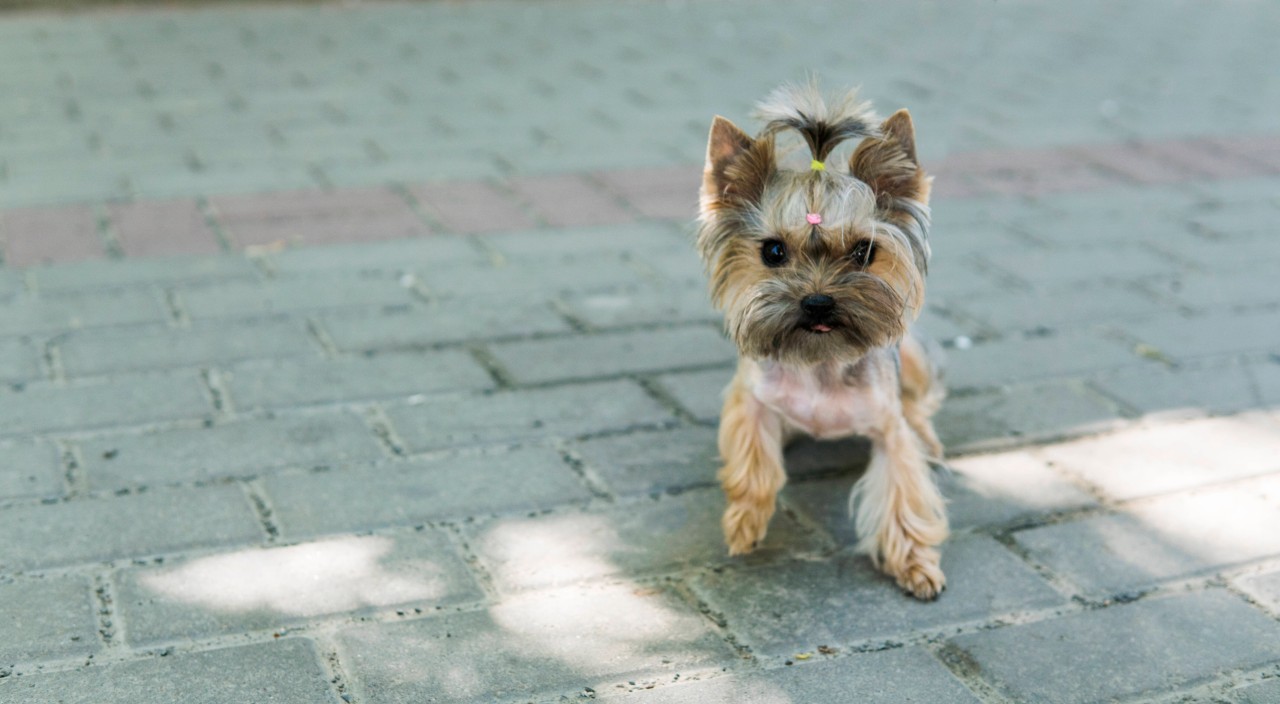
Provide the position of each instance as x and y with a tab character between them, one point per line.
359	353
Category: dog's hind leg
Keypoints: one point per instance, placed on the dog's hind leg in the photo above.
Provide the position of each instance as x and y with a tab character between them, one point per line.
922	390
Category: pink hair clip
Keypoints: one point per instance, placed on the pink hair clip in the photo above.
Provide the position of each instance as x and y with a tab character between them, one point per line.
813	218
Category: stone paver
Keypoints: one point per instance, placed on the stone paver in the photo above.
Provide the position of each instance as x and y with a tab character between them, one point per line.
1170	538
157	521
273	384
613	354
1131	648
515	416
284	672
633	539
913	676
121	401
784	609
57	620
361	352
257	589
420	491
243	448
535	646
29	470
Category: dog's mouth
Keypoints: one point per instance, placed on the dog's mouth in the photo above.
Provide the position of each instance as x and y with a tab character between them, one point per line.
818	328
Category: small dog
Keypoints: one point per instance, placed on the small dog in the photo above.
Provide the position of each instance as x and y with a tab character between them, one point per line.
819	273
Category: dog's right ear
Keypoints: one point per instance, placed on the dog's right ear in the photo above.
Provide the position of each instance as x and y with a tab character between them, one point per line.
737	165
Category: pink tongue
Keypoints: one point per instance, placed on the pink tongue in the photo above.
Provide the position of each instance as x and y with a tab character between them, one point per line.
821	328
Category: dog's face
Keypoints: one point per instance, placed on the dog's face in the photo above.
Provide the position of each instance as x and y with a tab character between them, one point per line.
818	265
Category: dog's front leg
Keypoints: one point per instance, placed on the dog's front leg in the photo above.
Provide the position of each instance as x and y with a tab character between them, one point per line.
752	475
901	516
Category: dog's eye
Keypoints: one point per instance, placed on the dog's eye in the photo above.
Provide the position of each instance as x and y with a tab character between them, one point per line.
773	253
864	252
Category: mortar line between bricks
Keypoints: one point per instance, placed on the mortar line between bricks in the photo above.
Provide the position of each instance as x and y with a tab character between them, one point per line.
321	337
106	233
423	214
384	431
51	359
217	393
475	566
967	670
109	626
590	480
72	465
256	495
176	307
212	220
329	658
1209	689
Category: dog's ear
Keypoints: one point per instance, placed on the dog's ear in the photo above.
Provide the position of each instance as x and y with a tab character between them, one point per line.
737	165
888	162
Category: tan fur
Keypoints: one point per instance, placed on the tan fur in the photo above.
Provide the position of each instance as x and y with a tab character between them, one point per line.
860	373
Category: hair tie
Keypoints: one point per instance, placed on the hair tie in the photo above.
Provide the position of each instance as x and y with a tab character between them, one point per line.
814	218
817	165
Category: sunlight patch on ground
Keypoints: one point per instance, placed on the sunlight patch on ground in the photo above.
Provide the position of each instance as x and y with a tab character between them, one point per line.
324	576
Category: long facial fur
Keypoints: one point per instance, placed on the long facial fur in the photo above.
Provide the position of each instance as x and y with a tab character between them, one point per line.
747	199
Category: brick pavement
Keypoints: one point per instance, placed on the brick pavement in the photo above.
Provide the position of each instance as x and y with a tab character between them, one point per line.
343	361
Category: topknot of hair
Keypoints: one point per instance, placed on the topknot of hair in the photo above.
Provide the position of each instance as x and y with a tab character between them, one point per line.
823	123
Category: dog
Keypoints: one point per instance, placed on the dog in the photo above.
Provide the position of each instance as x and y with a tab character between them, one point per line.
819	273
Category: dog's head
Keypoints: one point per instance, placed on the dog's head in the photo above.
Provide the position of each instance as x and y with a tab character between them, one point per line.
818	264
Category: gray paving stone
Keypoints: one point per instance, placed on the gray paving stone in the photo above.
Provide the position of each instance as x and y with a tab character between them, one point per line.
641	306
140	272
783	609
29	469
652	462
133	349
237	449
390	257
634	539
699	393
1266	375
81	311
521	416
1151	542
885	677
522	279
48	618
93	530
1072	308
1169	457
1261	693
1181	337
1127	649
122	401
536	646
1047	269
292	383
19	361
1264	587
1069	354
293	294
1183	391
444	321
583	243
1022	413
286	671
256	589
418	491
610	354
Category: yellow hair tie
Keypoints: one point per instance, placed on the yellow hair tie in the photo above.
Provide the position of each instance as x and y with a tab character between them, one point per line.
817	165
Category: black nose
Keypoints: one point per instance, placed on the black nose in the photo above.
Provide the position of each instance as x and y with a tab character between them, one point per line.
817	305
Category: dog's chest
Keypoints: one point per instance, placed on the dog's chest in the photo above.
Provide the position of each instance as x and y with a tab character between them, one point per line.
824	403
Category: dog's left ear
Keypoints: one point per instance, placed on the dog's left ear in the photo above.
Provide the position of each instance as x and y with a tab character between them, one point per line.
888	163
737	166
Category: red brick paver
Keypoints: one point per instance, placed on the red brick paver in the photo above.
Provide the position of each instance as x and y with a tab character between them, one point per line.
151	228
570	200
472	207
51	234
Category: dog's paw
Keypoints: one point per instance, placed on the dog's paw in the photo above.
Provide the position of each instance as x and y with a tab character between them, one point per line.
920	575
744	527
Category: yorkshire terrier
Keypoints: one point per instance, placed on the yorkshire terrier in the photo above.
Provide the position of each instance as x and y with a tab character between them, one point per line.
819	273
